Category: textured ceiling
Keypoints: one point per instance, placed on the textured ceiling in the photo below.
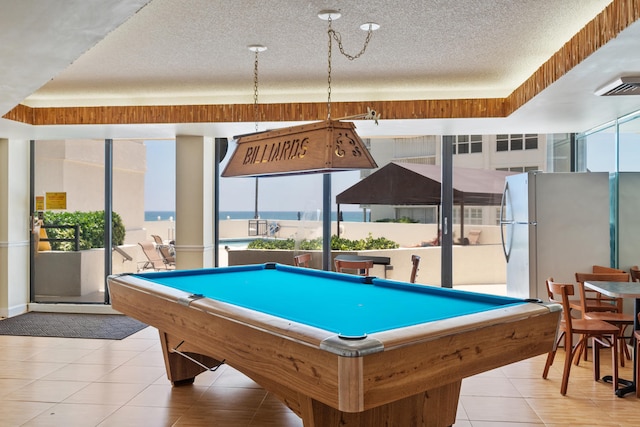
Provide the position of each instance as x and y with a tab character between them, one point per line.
195	52
38	40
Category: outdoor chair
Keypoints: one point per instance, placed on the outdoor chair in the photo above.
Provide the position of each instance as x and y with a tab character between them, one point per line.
415	261
474	236
603	334
167	257
302	260
154	260
359	267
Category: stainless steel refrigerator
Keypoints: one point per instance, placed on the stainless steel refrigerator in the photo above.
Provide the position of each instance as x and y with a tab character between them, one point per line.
553	225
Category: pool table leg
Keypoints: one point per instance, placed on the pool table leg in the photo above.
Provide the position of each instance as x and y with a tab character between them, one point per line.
181	370
433	408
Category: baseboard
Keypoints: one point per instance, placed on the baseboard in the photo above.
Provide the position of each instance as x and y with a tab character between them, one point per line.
14	311
73	308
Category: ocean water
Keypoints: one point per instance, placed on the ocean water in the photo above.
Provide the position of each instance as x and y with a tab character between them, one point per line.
350	216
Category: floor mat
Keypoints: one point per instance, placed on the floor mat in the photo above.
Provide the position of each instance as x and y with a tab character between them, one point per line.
71	325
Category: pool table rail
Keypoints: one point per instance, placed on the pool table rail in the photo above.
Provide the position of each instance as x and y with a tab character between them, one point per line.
389	377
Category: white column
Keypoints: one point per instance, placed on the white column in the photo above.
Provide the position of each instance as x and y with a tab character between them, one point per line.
14	227
194	202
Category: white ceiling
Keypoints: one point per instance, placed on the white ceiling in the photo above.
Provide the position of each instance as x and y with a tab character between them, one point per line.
91	52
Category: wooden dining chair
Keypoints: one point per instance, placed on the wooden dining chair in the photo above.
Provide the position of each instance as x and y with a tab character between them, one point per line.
302	260
603	334
636	337
594	305
595	301
415	261
604	269
359	267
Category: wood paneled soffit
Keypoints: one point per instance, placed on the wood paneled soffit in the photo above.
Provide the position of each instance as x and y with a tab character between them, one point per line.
420	109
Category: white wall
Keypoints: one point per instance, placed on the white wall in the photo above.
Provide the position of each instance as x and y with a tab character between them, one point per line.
14	226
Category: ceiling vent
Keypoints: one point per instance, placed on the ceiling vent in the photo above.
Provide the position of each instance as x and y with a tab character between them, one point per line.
621	86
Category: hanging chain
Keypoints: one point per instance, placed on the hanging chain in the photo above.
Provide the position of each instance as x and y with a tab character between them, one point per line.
255	90
338	37
329	73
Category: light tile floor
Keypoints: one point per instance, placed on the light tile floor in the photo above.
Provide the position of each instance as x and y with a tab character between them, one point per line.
78	382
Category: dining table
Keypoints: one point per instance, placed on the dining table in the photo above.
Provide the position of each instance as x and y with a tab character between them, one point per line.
621	290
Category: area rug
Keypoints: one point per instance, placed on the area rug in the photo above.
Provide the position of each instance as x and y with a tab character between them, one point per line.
66	325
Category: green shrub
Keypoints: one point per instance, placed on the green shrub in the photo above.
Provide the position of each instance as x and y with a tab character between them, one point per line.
91	229
337	244
403	220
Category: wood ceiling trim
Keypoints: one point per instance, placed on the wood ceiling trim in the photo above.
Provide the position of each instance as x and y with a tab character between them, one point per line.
603	28
20	113
232	113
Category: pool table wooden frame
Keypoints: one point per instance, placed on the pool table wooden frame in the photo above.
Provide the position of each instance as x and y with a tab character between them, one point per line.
402	377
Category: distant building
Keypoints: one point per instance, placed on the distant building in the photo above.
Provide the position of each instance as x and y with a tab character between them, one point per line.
508	152
76	167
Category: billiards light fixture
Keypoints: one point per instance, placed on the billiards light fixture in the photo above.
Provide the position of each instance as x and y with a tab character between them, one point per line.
328	146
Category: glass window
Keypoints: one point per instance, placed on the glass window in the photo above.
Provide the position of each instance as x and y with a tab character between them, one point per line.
465	144
502	143
476	143
629	137
516	142
531	141
596	152
473	216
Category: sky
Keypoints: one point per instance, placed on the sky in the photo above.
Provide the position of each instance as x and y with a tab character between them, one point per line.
291	193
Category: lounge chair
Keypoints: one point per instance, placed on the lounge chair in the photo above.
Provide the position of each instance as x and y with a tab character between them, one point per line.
474	237
164	250
154	260
167	258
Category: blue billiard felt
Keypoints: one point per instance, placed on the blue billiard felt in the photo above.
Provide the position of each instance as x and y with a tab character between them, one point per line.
344	304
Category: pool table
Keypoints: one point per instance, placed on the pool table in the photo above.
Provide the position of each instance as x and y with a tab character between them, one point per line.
337	349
